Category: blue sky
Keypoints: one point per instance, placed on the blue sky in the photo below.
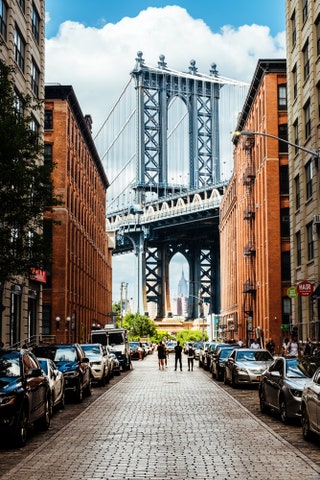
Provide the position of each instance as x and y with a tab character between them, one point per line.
92	45
216	13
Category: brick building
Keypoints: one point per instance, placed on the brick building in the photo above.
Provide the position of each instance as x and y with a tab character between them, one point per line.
22	47
78	290
254	216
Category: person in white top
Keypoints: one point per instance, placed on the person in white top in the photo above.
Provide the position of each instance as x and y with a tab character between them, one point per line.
293	347
255	345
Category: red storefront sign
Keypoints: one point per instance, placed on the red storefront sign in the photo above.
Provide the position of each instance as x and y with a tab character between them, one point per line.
38	275
305	289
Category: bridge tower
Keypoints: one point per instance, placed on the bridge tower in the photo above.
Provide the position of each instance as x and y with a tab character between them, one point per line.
156	88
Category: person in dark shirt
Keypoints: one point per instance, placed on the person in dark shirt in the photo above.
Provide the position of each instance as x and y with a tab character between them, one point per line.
161	355
178	356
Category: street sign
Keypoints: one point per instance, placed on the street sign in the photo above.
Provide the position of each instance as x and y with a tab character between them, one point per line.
292	292
305	289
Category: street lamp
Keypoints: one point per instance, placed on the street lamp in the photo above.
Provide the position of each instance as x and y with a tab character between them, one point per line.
314	153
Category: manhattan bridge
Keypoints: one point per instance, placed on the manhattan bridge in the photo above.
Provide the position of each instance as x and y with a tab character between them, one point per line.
167	151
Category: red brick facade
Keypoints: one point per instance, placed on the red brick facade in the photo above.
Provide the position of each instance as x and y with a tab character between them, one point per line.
79	289
254	217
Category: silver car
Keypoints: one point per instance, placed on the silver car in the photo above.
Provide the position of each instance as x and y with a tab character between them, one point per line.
98	362
310	407
281	387
246	365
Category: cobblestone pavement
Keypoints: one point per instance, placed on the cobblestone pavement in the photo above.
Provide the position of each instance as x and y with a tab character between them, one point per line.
164	425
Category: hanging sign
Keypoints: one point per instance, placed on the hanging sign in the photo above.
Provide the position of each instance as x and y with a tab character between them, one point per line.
292	292
305	289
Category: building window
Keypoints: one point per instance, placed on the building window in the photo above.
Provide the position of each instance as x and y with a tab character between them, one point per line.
317	23
308	169
285	223
285	266
298	248
48	120
35	23
19	49
22	5
304	10
318	95
309	228
306	63
296	136
282	96
284	180
295	82
283	134
3	18
293	29
48	153
297	191
307	120
35	78
18	103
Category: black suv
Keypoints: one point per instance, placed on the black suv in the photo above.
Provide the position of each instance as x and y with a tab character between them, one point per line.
72	362
24	395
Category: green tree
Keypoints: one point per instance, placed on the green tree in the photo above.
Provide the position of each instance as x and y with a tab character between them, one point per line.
25	184
139	326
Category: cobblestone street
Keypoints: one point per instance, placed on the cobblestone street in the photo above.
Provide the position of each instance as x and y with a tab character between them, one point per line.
166	425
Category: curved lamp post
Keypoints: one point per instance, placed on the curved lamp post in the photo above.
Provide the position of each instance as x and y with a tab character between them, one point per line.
314	153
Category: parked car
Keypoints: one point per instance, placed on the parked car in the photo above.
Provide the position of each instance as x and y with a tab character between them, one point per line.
218	358
56	382
213	350
245	366
197	347
24	395
100	366
72	362
171	346
281	386
134	350
202	350
310	407
116	364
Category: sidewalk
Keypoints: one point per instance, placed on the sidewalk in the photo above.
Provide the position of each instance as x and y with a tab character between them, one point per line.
165	425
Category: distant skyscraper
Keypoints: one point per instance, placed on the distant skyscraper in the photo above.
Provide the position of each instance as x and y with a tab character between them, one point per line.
183	286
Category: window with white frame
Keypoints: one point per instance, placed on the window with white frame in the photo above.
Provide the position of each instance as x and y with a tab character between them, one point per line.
19	49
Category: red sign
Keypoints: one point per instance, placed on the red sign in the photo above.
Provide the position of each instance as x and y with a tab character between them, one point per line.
305	288
38	275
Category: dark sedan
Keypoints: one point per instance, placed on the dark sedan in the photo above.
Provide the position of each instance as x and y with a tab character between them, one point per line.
72	362
281	388
218	360
24	395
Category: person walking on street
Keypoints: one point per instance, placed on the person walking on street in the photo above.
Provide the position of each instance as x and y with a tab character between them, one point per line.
190	358
161	355
178	356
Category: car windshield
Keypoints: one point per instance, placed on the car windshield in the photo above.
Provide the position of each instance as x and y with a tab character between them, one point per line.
9	365
254	356
116	338
224	352
198	345
293	369
65	355
91	349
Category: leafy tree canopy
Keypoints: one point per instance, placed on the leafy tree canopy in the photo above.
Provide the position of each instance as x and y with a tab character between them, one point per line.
25	184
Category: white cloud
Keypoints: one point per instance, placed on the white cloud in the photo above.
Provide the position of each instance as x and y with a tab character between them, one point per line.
97	63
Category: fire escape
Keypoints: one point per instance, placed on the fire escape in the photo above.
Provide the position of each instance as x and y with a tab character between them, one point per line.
249	250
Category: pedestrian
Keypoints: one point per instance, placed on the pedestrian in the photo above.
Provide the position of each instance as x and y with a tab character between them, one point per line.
167	354
190	358
140	351
240	343
178	356
293	347
270	346
308	348
255	345
161	355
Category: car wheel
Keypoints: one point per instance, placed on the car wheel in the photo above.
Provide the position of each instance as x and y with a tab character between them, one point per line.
88	388
225	379
103	380
262	399
233	381
20	432
79	392
62	402
213	374
283	412
306	432
44	422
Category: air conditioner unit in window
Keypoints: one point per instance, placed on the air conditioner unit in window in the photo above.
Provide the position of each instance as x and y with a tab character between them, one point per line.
316	219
